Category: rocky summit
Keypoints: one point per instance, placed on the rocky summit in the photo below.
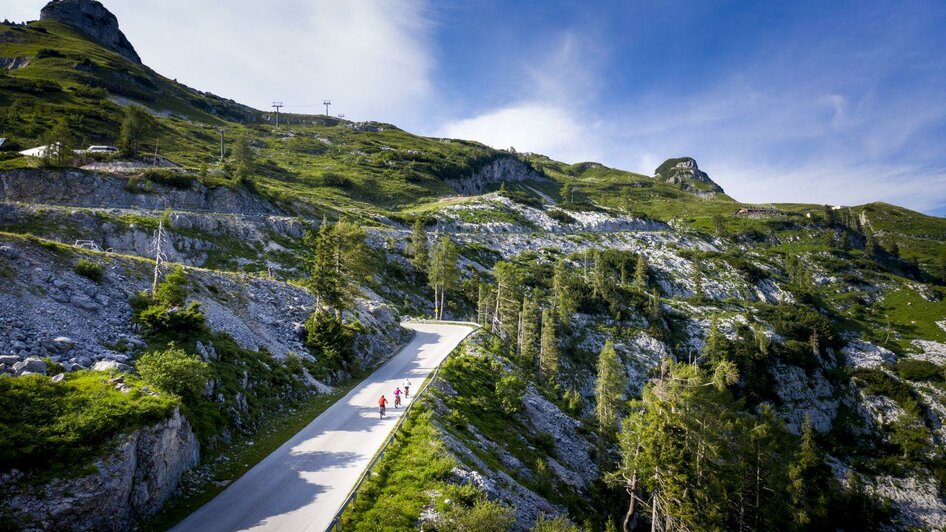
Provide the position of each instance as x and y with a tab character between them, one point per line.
649	352
91	17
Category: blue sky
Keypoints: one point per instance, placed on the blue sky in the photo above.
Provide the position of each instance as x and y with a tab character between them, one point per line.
817	101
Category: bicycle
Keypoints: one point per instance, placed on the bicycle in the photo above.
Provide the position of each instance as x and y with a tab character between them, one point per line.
381	409
397	401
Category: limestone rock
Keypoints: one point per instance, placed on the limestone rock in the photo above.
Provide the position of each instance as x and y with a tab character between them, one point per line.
94	19
111	365
30	365
131	483
684	171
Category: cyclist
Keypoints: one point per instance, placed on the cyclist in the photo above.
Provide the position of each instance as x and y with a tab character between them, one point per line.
381	403
406	386
397	397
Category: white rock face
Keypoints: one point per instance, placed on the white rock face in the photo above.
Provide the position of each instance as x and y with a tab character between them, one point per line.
931	351
131	483
803	395
861	354
917	501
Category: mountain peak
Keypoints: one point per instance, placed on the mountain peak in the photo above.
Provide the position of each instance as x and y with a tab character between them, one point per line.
685	171
91	17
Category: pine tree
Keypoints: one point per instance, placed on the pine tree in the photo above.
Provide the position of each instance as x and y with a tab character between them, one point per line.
337	262
698	277
845	244
807	480
244	159
942	265
870	244
58	143
563	297
443	273
548	351
508	301
529	331
719	223
323	282
609	392
418	247
640	273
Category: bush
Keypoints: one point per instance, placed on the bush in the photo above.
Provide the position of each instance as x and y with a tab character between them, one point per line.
164	311
174	371
90	270
560	216
919	370
483	516
509	392
332	343
169	178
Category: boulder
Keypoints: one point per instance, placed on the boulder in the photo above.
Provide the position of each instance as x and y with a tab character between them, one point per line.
60	344
111	365
29	366
9	359
59	378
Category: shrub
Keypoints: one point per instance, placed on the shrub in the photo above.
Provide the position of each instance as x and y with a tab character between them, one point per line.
174	371
330	340
509	391
164	311
919	370
169	178
90	270
331	179
484	516
560	216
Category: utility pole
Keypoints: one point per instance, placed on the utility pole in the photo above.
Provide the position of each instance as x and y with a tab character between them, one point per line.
221	130
327	103
277	106
341	116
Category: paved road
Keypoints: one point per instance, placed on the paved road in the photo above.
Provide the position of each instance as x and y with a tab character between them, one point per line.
302	484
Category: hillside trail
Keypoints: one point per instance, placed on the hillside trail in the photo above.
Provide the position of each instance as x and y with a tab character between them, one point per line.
302	484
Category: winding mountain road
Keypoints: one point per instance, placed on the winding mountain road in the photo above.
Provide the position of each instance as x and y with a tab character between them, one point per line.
303	483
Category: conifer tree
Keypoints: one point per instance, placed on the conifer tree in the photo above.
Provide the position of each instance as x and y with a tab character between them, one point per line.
548	351
870	244
529	331
418	247
443	273
336	260
698	277
244	159
640	273
508	301
807	480
609	392
942	265
563	296
58	143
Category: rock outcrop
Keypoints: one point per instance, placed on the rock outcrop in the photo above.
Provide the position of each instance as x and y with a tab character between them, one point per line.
132	483
92	18
78	188
684	171
508	169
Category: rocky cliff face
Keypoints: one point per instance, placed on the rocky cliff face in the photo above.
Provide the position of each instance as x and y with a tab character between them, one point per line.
508	169
89	189
684	171
91	17
131	483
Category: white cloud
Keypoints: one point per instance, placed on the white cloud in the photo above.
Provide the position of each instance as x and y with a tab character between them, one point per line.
531	127
371	57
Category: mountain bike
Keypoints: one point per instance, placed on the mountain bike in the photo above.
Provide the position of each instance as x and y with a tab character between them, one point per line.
381	409
397	401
